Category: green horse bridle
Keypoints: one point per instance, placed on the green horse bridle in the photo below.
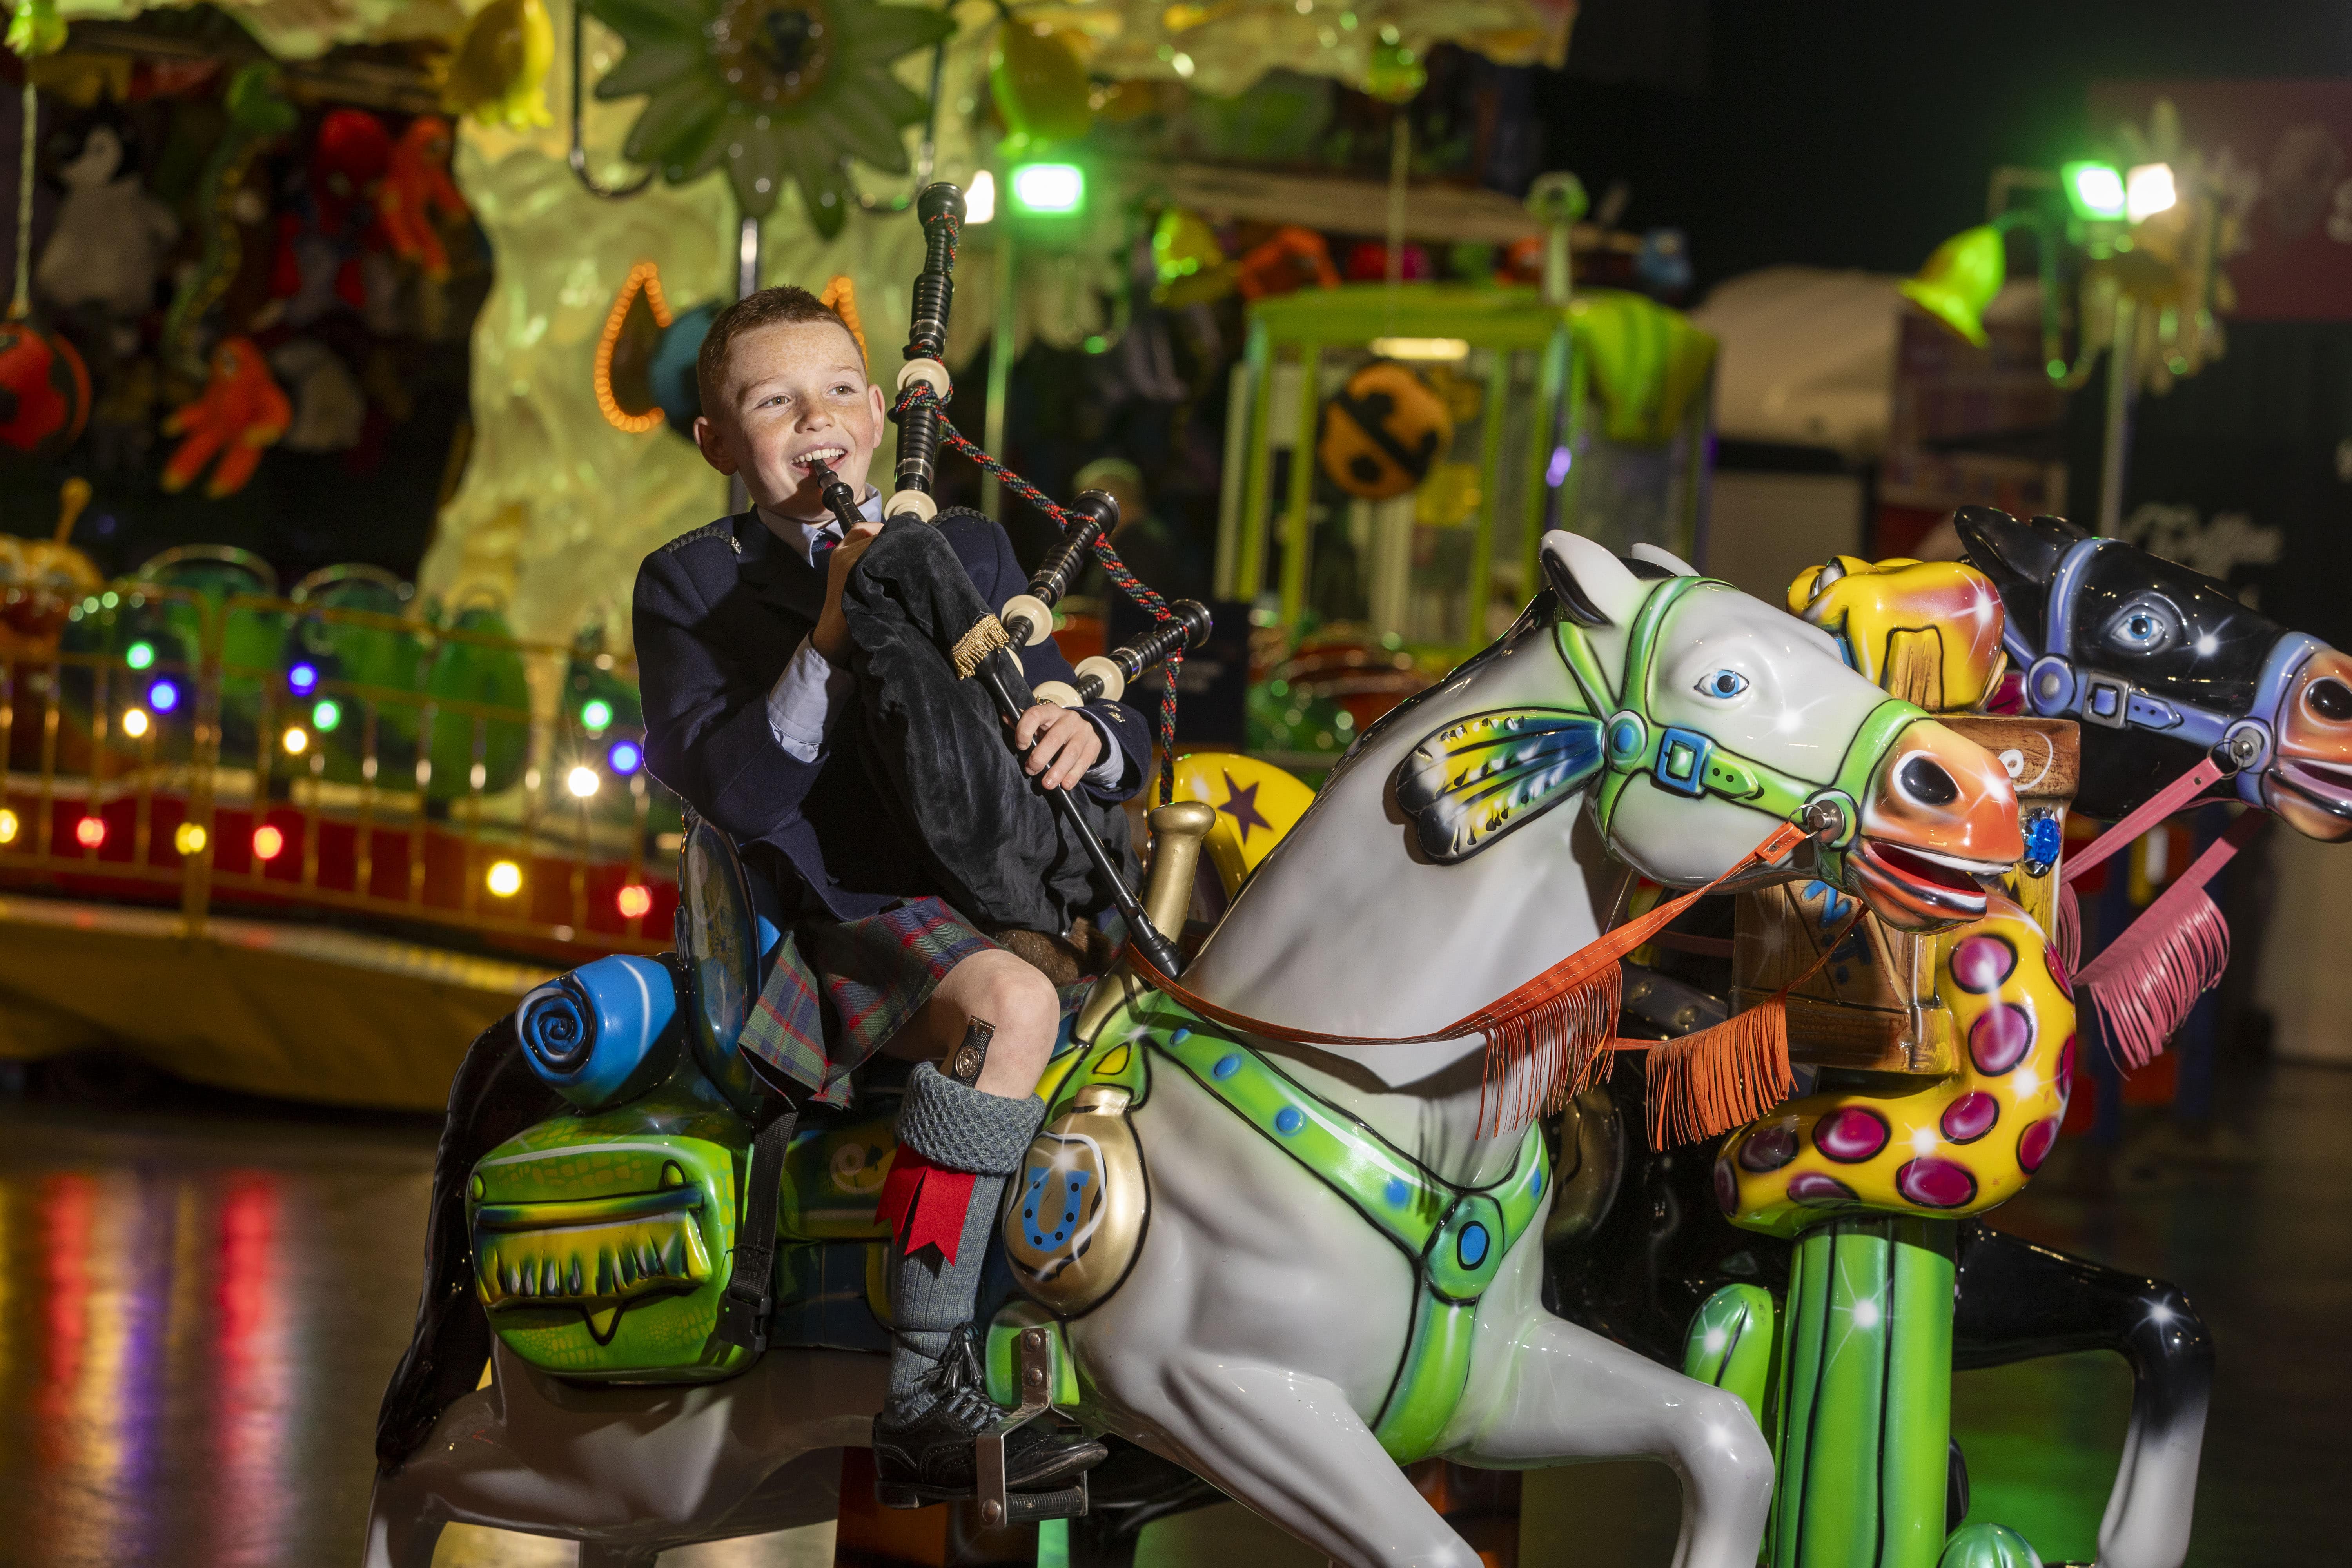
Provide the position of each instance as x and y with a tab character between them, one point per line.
1688	762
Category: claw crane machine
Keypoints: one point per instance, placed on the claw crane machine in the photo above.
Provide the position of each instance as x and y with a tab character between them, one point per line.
1396	449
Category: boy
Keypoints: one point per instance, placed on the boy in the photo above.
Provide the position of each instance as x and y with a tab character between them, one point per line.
742	650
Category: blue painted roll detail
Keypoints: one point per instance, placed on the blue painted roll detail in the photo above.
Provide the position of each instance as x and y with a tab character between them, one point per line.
1289	1119
1470	1246
602	1032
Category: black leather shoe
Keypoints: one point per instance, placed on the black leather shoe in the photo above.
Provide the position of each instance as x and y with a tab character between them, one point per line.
928	1458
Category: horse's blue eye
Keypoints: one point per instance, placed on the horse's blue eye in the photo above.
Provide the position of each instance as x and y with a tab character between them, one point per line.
2141	629
1722	683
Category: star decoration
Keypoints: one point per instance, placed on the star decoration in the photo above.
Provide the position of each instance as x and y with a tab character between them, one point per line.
1241	804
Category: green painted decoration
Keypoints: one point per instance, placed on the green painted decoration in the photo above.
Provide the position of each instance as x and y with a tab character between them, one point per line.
1730	1345
1865	1396
1456	1236
1987	1545
601	1243
771	91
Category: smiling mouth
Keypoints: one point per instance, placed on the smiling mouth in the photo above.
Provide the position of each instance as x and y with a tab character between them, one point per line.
2327	785
1943	886
828	455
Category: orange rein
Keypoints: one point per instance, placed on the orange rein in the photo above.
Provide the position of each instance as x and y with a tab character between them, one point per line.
1568	1011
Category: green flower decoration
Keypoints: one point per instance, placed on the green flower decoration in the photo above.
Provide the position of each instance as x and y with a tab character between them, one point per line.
774	89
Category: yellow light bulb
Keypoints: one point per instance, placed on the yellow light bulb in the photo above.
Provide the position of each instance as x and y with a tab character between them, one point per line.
188	838
134	722
505	880
296	740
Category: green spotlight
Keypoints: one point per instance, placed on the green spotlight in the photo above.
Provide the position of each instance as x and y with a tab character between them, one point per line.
1055	189
325	714
2095	190
139	655
595	714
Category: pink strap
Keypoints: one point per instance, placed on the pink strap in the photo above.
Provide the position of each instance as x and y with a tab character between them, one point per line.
2163	804
2208	866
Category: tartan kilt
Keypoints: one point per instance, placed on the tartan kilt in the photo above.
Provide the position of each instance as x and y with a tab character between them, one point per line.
840	989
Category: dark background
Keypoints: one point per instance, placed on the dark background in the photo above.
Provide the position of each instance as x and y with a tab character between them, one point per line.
1859	132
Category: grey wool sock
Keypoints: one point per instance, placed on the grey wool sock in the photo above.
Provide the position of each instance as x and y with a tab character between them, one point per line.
957	1128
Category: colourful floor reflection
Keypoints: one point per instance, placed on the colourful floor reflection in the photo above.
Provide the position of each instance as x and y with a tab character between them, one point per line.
194	1320
197	1315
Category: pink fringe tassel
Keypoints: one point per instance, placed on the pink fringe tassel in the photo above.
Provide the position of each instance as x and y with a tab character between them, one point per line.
2148	978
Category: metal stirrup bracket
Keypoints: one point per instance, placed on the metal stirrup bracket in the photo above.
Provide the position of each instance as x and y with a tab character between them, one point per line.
996	1506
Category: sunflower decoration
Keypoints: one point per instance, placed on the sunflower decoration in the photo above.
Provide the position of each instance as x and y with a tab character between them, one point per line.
773	89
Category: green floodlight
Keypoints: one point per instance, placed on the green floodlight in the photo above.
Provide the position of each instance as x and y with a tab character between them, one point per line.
595	714
139	655
1059	189
325	714
2095	190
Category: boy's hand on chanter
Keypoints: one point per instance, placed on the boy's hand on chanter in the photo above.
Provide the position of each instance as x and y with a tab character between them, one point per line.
1061	743
831	638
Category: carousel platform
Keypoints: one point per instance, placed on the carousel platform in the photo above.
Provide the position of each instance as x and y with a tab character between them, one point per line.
284	1008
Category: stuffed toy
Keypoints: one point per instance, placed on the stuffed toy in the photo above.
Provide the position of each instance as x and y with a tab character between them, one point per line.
416	186
108	246
240	412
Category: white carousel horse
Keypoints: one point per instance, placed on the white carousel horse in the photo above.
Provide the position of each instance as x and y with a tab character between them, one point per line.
1270	1333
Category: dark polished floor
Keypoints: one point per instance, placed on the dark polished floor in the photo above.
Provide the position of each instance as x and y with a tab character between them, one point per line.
199	1304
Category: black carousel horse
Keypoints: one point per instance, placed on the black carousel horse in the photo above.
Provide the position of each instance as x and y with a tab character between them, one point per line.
2163	667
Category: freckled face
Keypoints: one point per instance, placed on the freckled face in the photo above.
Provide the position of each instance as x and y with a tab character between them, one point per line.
794	391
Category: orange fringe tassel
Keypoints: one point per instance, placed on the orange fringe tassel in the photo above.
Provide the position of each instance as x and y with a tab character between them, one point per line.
1563	1039
1721	1077
1565	1016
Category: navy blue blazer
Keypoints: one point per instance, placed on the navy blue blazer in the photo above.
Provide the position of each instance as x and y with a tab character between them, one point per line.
718	614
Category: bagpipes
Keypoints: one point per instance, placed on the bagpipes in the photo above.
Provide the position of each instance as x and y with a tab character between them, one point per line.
986	652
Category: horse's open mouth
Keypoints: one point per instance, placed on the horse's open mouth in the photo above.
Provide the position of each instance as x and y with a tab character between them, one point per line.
2327	785
1921	882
